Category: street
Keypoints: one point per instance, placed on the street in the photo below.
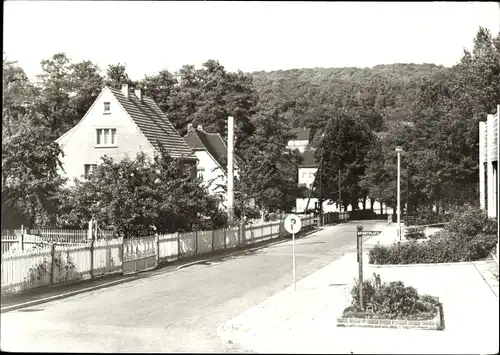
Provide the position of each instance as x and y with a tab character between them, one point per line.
177	311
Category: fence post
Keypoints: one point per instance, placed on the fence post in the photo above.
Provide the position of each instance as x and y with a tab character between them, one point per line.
92	258
224	229
22	238
213	240
157	236
196	242
53	262
178	245
242	231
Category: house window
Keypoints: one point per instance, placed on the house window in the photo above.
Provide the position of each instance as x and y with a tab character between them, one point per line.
88	168
106	137
201	171
107	108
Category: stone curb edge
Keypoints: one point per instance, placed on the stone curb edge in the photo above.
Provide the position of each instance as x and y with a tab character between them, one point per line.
67	294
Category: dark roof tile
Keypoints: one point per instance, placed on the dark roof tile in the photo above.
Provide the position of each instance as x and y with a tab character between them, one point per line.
154	124
308	160
212	142
302	134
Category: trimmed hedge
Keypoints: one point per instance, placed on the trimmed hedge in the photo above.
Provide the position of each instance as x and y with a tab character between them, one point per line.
470	236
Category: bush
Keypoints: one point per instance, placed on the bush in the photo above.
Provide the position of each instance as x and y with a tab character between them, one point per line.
469	236
414	233
469	222
390	300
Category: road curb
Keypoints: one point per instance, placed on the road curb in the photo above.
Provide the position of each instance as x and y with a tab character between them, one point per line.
65	295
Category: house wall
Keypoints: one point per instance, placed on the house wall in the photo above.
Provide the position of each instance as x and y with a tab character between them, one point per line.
306	176
298	144
79	146
488	164
212	174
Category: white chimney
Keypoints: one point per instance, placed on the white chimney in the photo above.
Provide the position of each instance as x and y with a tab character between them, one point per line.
190	127
200	127
138	93
125	90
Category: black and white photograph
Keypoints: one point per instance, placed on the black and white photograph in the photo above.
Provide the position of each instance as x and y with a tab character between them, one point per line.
296	177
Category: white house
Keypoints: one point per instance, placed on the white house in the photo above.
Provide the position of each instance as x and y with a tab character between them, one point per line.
119	123
211	152
488	164
307	172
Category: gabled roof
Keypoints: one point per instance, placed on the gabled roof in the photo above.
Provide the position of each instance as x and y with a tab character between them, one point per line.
308	160
211	142
301	134
153	124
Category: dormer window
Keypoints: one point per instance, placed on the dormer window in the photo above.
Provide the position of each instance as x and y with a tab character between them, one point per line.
107	108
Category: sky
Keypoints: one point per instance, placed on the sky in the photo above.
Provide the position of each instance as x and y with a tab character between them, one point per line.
149	36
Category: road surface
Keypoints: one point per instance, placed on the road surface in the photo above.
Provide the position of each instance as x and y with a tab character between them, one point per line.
177	311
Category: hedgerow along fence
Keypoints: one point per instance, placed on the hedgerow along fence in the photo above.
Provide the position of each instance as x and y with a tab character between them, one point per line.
56	263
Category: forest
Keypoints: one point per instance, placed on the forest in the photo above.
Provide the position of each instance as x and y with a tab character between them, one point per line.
357	117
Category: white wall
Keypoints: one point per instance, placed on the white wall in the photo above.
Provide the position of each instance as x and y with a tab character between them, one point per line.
211	171
306	176
298	144
80	149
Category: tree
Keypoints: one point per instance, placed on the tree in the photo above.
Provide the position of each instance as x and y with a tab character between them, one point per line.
209	95
344	147
116	76
268	171
160	87
30	181
55	92
87	84
18	97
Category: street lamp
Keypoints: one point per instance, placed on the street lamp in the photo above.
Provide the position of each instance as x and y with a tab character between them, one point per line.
398	212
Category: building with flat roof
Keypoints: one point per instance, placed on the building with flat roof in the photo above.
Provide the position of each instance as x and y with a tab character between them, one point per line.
488	164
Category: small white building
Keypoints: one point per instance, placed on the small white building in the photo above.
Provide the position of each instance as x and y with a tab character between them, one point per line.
211	151
488	164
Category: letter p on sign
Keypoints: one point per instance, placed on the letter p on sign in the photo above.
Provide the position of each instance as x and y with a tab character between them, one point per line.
293	224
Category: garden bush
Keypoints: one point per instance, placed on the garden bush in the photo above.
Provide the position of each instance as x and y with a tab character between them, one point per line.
469	236
390	300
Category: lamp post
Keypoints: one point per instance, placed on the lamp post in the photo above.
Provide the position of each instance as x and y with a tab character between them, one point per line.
398	212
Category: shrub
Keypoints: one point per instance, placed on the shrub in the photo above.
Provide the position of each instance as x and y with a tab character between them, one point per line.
390	300
414	233
469	222
470	236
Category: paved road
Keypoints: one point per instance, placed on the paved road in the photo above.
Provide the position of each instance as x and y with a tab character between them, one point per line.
172	312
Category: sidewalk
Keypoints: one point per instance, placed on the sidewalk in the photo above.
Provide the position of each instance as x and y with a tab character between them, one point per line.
289	322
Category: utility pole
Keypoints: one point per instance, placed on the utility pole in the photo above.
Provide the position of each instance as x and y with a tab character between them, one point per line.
321	189
399	150
340	195
230	171
407	195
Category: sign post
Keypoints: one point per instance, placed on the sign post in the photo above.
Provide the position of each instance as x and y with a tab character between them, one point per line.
359	236
293	224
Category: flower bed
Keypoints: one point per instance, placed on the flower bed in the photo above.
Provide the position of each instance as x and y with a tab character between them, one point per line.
392	305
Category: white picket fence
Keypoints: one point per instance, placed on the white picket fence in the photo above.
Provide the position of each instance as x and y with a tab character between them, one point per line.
54	263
